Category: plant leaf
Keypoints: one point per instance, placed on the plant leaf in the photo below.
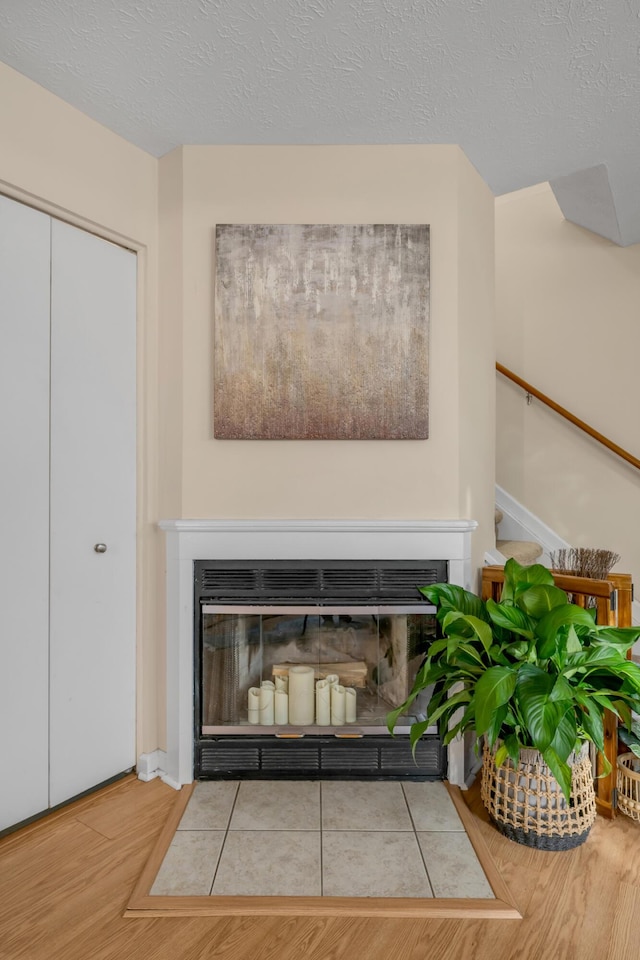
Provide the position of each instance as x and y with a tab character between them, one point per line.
511	618
606	767
464	724
463	696
624	712
518	578
495	727
621	637
630	736
478	628
573	641
563	615
513	572
394	715
591	719
437	646
596	657
605	701
541	714
517	650
535	574
538	600
493	688
498	656
631	672
562	690
561	771
513	747
448	596
468	650
417	729
565	738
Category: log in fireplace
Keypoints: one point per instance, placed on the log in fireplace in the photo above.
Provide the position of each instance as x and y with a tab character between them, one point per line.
299	662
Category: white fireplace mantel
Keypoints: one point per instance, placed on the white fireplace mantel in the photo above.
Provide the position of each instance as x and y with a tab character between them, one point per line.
189	540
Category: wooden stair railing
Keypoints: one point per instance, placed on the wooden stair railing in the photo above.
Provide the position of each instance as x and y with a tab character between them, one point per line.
563	412
613	598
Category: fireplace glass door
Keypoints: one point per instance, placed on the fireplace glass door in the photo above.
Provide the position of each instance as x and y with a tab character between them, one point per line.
294	670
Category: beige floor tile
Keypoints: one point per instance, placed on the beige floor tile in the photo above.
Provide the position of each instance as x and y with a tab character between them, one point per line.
277	805
275	863
353	805
210	805
190	864
369	848
372	864
431	807
452	865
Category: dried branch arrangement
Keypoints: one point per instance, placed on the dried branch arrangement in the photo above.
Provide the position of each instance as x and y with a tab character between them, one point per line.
584	562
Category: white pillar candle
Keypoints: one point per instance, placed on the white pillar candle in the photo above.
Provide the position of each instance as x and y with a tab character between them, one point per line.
332	679
323	703
281	706
267	691
350	704
337	705
282	683
301	695
254	704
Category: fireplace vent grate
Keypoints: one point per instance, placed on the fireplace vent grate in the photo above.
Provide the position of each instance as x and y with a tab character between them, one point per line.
291	583
426	755
278	756
371	757
403	582
335	758
355	581
235	757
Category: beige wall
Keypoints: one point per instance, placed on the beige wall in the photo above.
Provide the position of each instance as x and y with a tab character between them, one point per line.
568	322
341	479
58	160
170	323
476	358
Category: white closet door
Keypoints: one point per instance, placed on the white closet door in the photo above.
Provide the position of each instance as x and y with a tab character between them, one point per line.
24	512
93	450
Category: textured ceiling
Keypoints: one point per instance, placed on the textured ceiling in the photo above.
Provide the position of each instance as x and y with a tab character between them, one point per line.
532	90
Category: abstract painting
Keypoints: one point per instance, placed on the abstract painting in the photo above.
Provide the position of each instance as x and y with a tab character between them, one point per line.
321	332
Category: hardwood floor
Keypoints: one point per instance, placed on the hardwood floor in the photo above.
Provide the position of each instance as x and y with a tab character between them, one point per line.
65	883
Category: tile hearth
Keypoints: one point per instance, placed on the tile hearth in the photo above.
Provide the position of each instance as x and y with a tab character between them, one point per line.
321	839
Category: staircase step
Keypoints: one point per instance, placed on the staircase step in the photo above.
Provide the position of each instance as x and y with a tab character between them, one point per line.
524	551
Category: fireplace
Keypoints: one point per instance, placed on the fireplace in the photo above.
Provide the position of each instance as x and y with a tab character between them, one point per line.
189	541
299	663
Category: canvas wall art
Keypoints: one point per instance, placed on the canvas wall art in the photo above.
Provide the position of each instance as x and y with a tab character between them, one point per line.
321	332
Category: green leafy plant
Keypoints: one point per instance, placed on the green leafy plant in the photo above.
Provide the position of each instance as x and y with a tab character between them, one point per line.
532	671
630	736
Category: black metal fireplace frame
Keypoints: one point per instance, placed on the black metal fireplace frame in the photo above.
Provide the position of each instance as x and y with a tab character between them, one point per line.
318	583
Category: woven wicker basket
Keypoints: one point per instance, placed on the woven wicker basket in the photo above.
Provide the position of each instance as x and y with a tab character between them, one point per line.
629	785
526	804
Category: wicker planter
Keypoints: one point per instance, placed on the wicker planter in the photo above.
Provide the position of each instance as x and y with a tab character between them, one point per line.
629	785
526	804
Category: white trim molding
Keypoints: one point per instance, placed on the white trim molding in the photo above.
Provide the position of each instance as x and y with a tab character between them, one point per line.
518	523
190	540
151	765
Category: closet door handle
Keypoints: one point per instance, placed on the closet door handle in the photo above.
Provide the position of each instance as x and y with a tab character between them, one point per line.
100	548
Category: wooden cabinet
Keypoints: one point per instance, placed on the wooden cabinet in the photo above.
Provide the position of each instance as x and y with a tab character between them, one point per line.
67	483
